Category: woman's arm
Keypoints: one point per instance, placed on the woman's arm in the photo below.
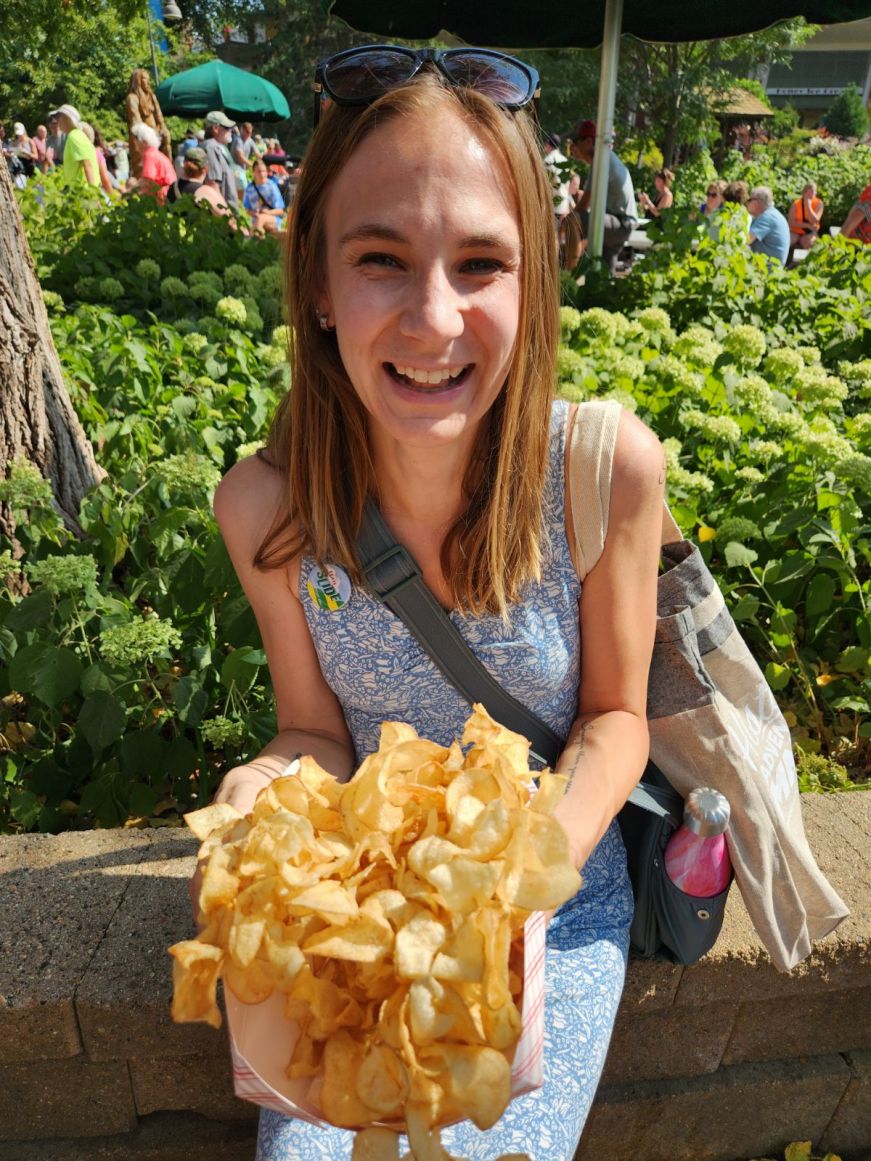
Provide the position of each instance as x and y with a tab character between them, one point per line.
814	215
853	220
310	719
608	744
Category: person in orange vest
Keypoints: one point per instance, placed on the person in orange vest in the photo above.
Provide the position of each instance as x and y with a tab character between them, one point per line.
804	217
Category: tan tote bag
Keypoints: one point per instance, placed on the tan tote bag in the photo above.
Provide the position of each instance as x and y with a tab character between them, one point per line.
712	718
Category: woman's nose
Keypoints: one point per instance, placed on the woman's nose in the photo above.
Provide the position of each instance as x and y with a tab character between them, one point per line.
435	309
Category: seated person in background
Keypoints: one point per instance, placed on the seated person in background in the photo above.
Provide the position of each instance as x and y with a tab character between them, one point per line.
710	207
857	223
736	193
158	172
664	197
193	182
263	201
769	232
804	217
621	212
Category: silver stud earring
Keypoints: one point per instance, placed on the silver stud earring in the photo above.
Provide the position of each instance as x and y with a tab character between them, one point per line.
323	322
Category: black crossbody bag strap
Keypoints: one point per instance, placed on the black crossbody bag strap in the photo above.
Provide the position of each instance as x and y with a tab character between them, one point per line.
393	576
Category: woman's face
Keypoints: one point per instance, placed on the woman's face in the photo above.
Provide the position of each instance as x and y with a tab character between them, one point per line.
423	278
259	172
659	183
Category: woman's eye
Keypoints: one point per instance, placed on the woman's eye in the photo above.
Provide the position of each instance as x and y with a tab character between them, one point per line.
377	259
482	266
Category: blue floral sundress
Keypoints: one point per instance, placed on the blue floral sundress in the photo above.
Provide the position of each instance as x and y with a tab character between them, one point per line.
379	672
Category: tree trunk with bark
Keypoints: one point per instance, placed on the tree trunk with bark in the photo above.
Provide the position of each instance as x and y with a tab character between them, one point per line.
37	420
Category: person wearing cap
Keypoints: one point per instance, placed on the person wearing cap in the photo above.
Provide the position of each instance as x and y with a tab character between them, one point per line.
80	158
219	130
193	182
621	211
23	148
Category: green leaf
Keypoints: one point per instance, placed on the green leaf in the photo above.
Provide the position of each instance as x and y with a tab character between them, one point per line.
745	609
24	806
46	671
190	700
854	703
181	758
777	676
142	753
8	644
143	799
94	678
798	1151
240	668
820	594
854	659
739	555
31	613
102	720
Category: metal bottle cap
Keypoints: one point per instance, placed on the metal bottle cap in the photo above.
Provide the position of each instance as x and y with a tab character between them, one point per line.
706	812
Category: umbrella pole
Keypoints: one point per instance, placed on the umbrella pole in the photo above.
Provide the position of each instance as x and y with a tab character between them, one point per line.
604	124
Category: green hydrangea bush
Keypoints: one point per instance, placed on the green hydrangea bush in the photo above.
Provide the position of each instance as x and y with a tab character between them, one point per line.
769	469
131	670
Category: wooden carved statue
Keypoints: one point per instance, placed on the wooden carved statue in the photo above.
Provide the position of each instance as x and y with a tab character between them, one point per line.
142	105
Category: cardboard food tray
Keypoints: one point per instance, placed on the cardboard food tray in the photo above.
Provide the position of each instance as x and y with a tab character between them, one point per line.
262	1039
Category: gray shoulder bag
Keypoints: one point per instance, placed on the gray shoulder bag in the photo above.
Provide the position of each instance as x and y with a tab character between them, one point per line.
666	922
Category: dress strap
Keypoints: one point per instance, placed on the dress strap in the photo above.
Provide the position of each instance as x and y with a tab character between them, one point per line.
592	439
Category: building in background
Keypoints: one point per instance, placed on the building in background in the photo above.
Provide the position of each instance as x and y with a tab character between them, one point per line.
837	57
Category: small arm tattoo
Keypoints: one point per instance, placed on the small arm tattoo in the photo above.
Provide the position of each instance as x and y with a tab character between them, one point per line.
580	745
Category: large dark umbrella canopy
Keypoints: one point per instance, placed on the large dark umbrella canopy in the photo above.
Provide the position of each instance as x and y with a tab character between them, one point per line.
218	85
557	24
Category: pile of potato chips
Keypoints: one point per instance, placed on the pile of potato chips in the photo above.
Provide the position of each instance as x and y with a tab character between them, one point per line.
389	911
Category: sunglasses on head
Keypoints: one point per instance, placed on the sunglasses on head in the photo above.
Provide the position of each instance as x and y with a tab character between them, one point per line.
359	76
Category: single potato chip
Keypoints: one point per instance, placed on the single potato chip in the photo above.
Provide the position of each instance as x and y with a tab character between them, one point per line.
382	1082
195	970
209	819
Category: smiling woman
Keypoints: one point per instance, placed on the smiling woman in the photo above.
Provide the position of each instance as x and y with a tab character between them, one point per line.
423	301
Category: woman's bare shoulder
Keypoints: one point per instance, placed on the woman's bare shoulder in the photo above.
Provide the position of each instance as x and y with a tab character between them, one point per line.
639	458
249	499
637	476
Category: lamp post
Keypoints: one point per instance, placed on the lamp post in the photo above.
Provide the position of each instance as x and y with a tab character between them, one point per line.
169	13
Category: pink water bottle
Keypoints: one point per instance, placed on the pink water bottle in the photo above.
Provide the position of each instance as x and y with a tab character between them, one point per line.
697	858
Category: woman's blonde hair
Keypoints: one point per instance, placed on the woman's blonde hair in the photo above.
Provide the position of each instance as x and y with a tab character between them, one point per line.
320	433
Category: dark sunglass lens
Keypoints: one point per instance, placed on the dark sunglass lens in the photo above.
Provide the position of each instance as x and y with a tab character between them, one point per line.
499	78
363	76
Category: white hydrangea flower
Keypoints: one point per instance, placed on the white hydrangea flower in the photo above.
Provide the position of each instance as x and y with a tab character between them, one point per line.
232	310
64	574
138	642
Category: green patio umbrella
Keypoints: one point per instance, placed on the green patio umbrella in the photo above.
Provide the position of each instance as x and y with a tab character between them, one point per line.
519	24
217	85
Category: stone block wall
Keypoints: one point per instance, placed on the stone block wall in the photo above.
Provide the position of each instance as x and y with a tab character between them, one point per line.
723	1061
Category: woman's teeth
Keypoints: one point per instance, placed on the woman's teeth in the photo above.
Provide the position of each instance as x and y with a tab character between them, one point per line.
431	378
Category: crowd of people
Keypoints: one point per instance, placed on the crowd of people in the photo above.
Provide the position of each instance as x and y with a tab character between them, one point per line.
781	238
228	167
224	165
